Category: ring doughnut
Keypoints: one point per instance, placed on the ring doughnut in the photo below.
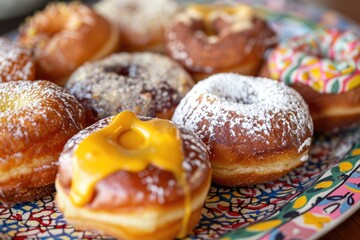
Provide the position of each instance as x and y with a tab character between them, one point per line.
141	24
64	36
151	178
147	83
324	67
15	62
36	120
256	129
208	39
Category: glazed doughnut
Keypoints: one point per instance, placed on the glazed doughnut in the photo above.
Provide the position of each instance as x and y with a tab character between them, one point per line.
64	36
256	129
146	83
141	24
208	39
15	62
324	67
151	183
36	120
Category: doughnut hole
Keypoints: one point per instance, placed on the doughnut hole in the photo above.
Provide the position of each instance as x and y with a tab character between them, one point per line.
128	71
248	94
218	20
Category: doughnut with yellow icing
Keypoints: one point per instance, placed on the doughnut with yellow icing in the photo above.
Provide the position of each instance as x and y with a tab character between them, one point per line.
134	179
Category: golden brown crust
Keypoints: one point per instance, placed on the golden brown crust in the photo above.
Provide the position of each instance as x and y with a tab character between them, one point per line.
254	169
166	225
330	112
16	63
62	37
203	57
37	120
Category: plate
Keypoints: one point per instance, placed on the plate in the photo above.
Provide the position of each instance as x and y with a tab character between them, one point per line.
305	204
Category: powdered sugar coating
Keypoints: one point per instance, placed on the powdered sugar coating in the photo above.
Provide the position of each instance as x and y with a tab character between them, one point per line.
140	20
151	185
145	83
27	104
15	62
263	112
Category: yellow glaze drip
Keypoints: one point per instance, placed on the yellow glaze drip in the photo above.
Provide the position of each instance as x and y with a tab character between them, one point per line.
240	12
128	144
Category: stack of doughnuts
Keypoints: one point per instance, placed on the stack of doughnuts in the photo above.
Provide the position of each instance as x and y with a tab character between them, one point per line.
132	173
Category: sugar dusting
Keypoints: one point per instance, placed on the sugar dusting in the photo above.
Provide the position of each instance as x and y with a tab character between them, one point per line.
140	18
26	105
151	178
257	108
146	83
15	62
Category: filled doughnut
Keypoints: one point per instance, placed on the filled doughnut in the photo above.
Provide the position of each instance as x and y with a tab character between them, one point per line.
256	129
134	179
141	24
324	67
16	63
146	83
208	39
36	120
64	36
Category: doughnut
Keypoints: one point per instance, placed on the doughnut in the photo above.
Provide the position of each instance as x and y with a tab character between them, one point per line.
141	24
151	178
36	120
324	67
64	36
208	39
16	63
146	83
256	129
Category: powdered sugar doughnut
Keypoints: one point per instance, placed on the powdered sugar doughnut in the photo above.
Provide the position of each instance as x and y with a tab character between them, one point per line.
15	62
147	83
256	129
36	120
141	23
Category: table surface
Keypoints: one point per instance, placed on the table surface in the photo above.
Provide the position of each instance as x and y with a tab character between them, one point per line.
350	228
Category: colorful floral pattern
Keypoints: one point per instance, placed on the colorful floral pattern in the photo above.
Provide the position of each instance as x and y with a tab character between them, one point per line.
326	60
309	199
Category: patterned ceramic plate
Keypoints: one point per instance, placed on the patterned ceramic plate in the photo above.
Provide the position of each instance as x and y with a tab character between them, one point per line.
304	204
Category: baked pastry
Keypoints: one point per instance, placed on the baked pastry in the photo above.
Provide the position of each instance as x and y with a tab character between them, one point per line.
323	66
64	36
15	62
208	39
151	178
146	83
256	129
140	23
36	120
